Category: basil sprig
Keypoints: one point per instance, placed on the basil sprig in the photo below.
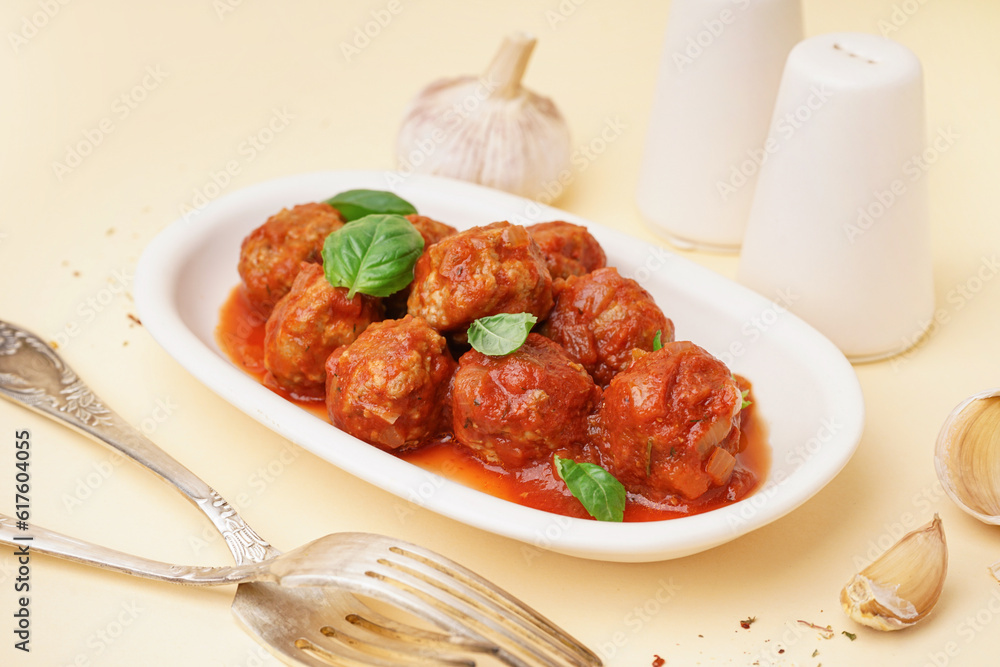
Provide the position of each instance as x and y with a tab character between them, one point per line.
373	255
601	494
499	335
355	204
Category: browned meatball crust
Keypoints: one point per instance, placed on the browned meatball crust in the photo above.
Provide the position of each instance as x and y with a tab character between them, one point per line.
480	271
570	250
670	424
271	255
523	406
432	231
309	323
390	386
600	317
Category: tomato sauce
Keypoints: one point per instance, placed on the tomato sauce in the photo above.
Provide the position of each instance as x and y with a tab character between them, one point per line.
240	334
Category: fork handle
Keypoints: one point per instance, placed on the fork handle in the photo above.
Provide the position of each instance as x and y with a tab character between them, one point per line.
34	375
31	539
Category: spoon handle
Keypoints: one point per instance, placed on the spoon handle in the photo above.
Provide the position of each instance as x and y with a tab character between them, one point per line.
28	540
32	374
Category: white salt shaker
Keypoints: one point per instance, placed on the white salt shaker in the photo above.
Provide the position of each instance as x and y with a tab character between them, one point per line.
839	223
719	73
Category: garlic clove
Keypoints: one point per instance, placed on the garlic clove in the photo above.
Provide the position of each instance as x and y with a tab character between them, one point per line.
967	456
488	130
902	586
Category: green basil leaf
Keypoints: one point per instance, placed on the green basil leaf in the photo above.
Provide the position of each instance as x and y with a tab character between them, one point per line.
602	495
499	335
373	255
658	340
355	204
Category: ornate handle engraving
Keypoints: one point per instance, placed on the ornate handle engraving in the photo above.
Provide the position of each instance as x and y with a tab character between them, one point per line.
245	544
33	374
41	379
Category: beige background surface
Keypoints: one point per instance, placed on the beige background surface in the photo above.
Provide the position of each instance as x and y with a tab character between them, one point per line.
69	243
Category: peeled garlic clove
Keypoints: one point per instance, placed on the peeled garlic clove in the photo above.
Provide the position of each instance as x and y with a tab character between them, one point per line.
903	585
967	456
488	130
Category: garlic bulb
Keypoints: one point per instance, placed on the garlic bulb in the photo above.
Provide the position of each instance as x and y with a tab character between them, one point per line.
902	586
967	456
488	130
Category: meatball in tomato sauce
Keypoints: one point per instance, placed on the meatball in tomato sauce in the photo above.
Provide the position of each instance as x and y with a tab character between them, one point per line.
670	424
309	323
569	250
390	386
523	406
270	257
478	272
600	317
431	231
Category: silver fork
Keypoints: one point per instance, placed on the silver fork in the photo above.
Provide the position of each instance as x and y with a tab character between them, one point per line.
303	605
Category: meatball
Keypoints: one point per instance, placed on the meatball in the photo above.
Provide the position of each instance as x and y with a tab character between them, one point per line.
390	386
429	228
523	406
601	317
569	250
481	271
670	424
271	255
309	323
432	231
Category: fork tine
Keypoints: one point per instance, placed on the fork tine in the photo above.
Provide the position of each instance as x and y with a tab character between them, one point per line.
316	627
512	638
509	604
331	647
393	631
395	652
494	593
492	612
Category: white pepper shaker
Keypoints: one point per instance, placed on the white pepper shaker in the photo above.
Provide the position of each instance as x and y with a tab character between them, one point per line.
838	219
719	73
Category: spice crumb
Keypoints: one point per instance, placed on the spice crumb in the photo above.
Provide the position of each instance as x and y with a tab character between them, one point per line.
658	661
826	633
747	622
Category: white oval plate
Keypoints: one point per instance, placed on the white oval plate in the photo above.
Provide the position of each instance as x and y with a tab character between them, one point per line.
806	391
